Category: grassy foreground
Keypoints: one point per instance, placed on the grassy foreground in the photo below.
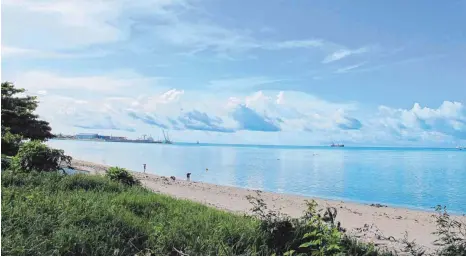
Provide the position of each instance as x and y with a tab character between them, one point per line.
54	214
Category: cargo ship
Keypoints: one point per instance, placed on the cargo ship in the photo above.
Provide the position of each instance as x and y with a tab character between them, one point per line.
337	145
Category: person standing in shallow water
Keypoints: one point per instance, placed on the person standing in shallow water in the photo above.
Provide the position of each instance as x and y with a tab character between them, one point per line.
144	165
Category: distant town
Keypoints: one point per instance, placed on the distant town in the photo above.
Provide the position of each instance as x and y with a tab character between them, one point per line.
105	138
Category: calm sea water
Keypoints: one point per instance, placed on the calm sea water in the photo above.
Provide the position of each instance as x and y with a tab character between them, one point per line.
409	177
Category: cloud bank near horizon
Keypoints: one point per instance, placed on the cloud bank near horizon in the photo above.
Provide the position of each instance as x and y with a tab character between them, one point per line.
274	115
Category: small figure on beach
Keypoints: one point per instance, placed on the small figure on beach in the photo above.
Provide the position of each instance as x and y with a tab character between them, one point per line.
206	169
144	165
173	178
188	176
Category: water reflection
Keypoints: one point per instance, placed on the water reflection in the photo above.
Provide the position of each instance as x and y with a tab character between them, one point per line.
421	178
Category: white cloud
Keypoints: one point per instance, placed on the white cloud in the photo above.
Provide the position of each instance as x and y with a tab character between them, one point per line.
349	68
241	83
111	83
10	52
170	96
42	92
55	25
448	120
291	44
289	112
343	53
50	28
280	97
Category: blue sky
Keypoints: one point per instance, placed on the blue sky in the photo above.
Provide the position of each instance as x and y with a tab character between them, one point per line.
266	72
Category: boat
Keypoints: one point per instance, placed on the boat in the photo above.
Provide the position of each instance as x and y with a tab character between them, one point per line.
337	145
460	148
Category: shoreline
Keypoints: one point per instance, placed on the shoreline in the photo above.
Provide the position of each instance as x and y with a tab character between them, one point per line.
365	222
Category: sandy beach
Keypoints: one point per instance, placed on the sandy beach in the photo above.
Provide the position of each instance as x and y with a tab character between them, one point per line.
384	225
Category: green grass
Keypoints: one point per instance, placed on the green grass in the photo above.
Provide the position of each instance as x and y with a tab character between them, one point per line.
54	214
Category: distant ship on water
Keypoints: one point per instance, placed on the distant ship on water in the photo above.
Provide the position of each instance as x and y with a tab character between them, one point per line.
337	145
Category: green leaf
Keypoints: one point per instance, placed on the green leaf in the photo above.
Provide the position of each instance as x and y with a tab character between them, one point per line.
310	234
288	253
305	245
316	242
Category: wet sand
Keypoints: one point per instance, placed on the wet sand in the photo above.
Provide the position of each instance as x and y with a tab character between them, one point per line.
385	226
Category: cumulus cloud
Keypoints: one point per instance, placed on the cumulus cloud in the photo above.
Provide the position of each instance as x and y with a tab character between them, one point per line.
196	120
279	112
249	119
448	119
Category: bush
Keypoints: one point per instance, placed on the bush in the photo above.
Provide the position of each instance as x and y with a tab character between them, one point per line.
36	156
451	236
90	183
316	233
10	142
451	233
6	162
121	175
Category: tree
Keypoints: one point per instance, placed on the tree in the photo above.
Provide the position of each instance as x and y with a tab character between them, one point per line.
18	119
36	156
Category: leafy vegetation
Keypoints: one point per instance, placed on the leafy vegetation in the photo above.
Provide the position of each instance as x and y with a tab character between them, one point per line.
53	214
313	234
18	119
121	175
36	156
49	213
451	236
10	142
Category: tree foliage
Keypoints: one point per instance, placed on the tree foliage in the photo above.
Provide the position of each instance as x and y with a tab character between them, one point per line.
10	142
36	156
18	117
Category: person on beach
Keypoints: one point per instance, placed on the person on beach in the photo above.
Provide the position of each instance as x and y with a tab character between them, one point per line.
188	176
144	167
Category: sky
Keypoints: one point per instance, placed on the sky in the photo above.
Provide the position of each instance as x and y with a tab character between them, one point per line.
363	73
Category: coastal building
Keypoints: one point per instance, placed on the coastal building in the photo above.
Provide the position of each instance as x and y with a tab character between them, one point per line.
87	136
118	138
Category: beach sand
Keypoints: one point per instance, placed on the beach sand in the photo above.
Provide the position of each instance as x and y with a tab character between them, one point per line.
366	222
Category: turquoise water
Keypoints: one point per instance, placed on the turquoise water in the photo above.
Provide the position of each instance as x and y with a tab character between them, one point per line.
417	178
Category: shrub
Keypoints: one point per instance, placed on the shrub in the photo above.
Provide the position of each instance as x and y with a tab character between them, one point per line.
451	233
316	233
451	236
10	142
121	175
279	230
89	183
36	156
6	162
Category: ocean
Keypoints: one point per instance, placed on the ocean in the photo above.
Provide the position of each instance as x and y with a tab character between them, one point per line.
415	178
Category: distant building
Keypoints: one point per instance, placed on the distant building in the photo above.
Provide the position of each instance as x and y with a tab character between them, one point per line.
87	136
103	137
118	138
